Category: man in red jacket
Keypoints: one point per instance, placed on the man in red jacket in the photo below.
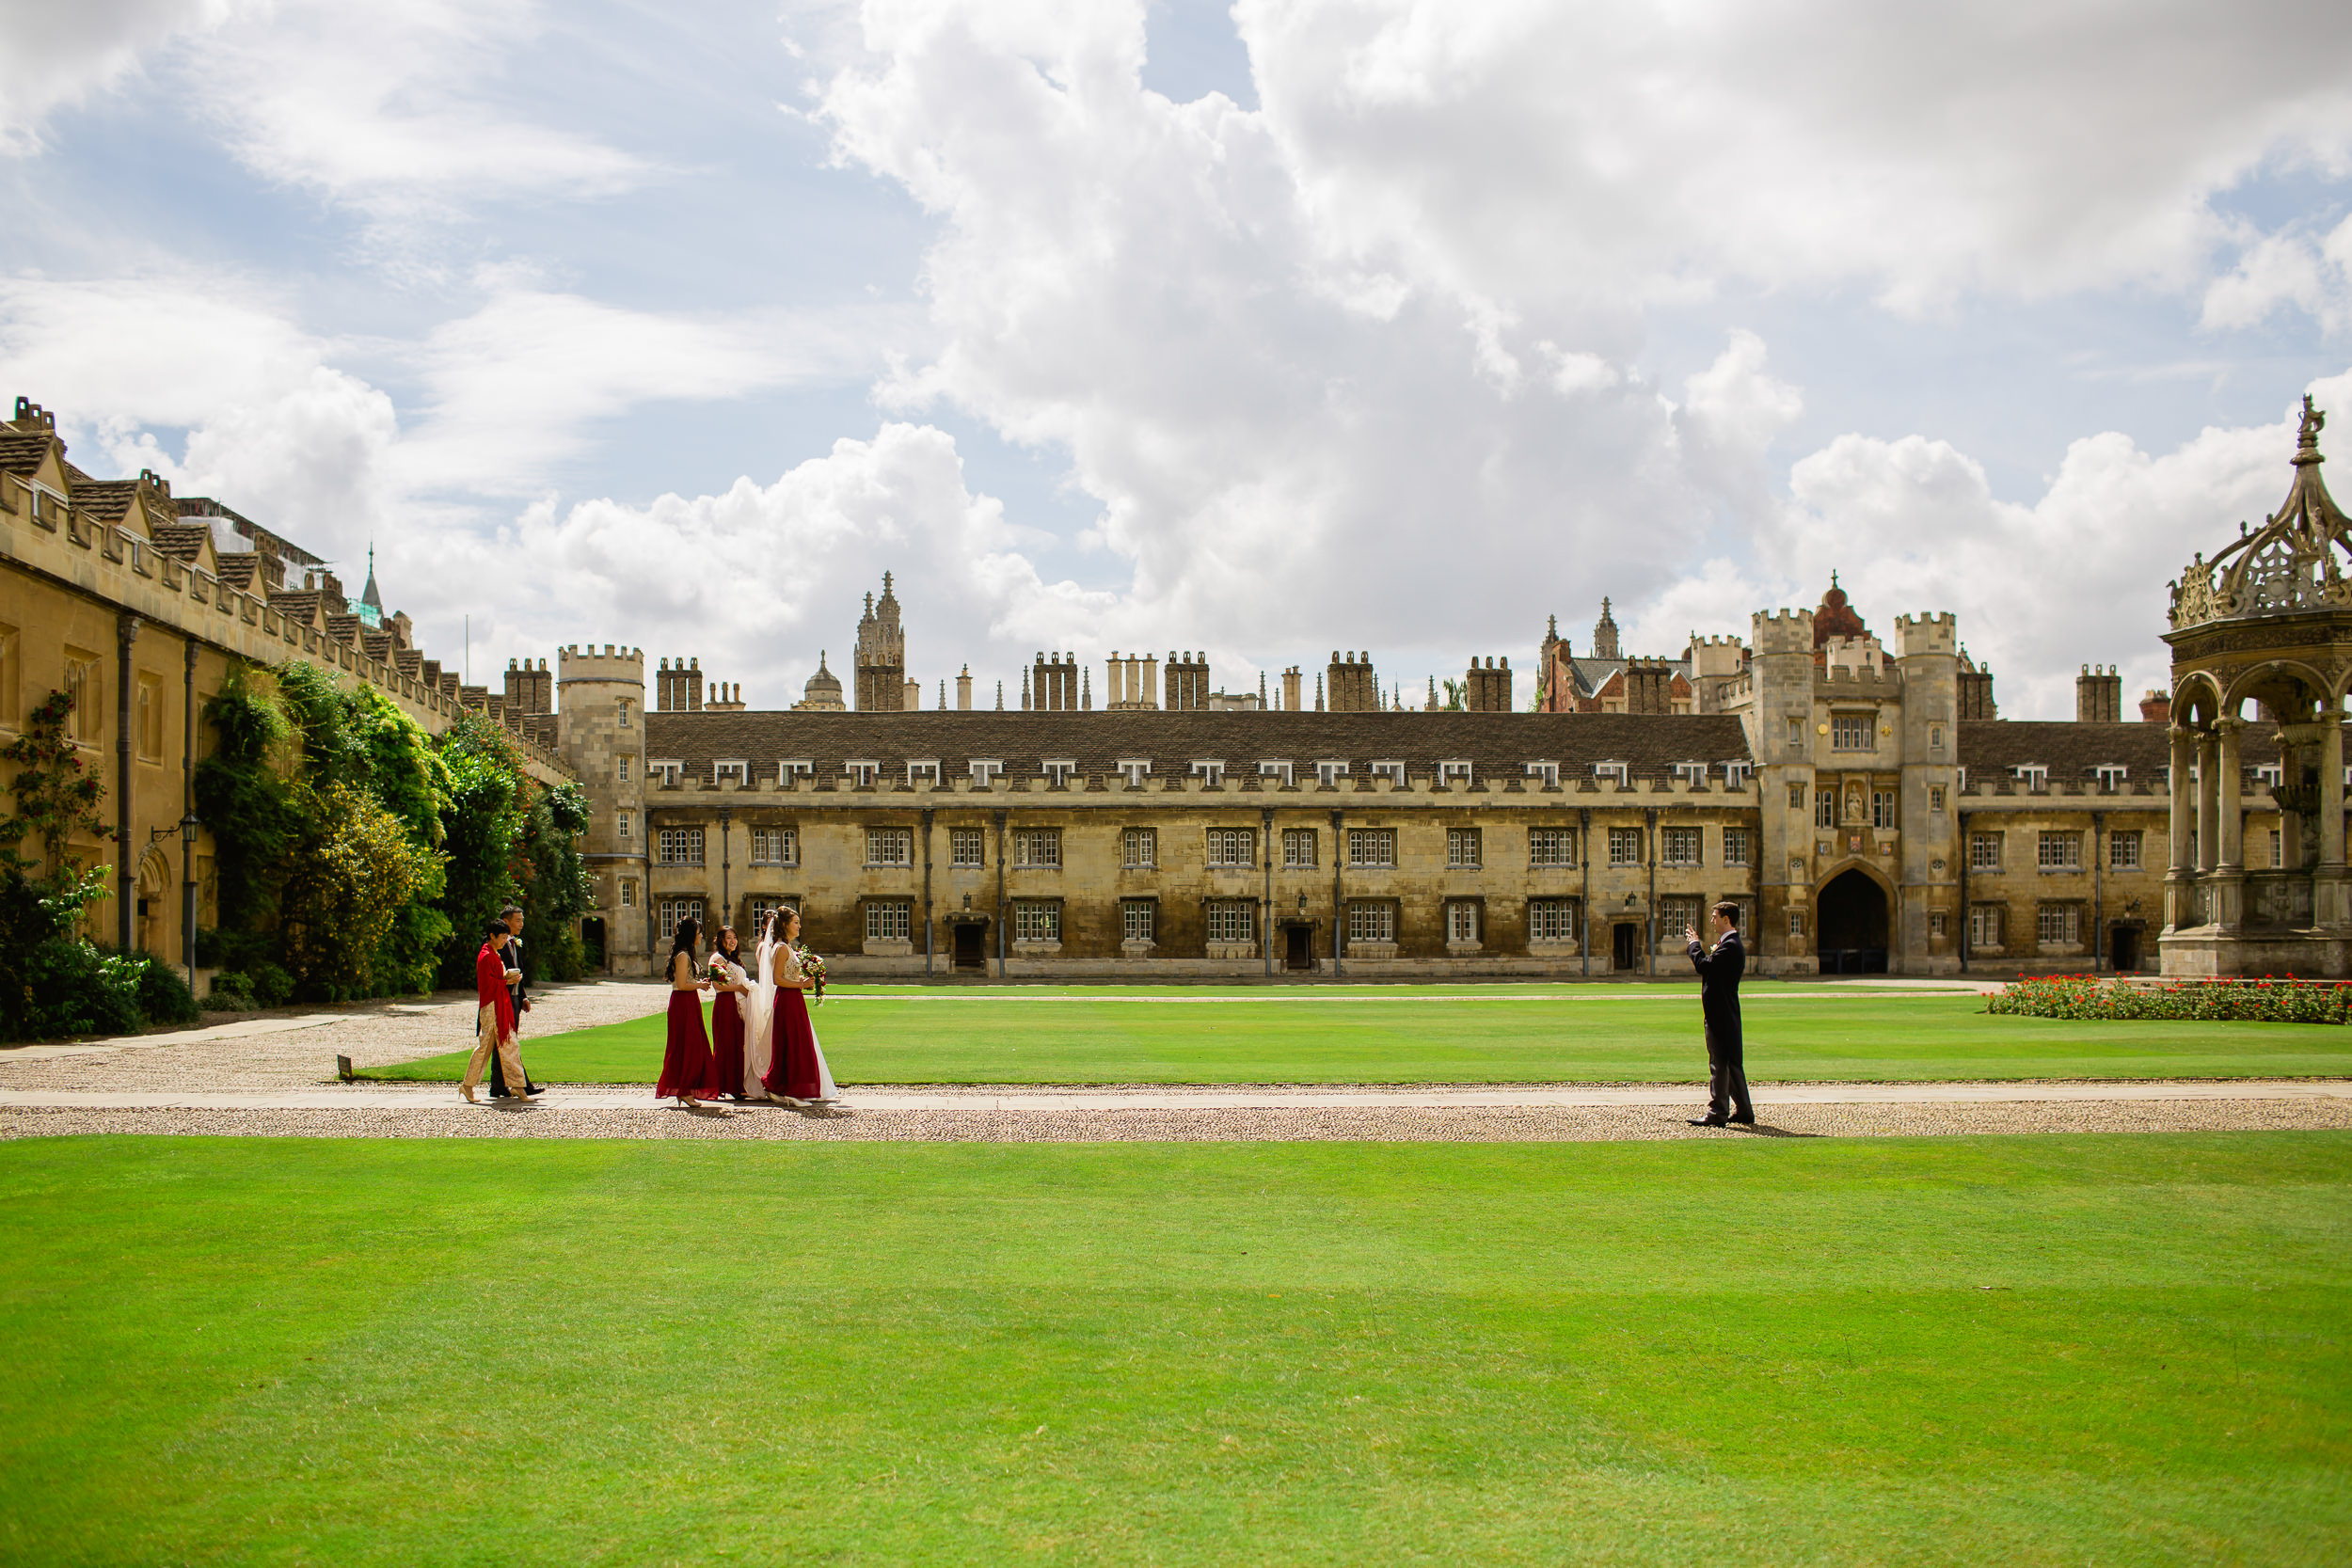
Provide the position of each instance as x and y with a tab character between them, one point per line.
497	1016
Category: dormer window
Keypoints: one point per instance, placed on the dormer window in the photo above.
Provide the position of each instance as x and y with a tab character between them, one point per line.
924	768
1736	775
985	770
665	768
1134	771
1692	773
2111	775
2270	773
1616	772
861	774
1548	771
1453	770
1057	770
1329	771
1393	771
794	767
2034	775
1211	770
1270	768
735	769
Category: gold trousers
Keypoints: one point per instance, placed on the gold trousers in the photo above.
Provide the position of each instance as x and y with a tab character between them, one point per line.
510	1055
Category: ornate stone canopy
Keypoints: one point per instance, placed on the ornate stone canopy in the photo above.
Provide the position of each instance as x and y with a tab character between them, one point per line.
2297	561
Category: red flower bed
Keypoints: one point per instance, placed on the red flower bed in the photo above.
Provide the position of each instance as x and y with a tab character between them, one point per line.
2265	1001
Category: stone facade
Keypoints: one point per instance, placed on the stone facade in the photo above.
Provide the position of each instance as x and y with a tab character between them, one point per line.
1836	788
141	604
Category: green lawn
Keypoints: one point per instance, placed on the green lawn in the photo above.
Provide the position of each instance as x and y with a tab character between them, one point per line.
2024	1350
1435	1035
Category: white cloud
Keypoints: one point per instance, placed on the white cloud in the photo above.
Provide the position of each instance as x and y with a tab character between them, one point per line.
1543	155
58	56
757	580
2286	269
516	385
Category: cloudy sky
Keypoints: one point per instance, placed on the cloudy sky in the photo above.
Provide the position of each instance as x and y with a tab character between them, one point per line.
1396	325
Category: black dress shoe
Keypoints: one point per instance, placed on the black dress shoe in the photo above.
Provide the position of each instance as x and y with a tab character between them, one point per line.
1710	1120
542	1088
1748	1120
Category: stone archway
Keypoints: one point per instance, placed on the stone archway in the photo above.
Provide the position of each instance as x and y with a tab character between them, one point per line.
1852	920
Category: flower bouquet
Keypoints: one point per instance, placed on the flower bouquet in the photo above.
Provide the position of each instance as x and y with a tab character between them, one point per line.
814	967
718	971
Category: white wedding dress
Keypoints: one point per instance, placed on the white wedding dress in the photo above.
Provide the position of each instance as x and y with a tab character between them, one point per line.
760	1030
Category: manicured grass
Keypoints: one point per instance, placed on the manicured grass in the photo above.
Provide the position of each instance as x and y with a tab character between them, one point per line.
1434	1035
2119	1349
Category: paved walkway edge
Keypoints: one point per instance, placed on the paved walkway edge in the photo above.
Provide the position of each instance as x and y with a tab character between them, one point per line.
377	1097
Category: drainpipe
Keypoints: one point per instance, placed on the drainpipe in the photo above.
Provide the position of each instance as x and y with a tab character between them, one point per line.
1960	818
1585	899
1338	911
1000	895
2098	883
1649	924
726	873
126	633
929	942
187	806
1265	905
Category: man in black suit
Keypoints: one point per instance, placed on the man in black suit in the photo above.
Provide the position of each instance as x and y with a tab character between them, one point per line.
513	915
1727	1101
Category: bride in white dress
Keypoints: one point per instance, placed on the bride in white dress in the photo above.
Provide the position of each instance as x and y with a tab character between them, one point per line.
771	1011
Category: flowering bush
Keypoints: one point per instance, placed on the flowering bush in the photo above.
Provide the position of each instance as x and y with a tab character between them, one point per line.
2264	1001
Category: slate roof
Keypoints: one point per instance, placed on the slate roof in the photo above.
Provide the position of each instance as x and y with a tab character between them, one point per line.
236	568
108	501
22	452
2070	749
1499	744
180	541
301	604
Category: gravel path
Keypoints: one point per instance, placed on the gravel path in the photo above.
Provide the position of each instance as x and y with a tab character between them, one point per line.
300	1047
279	1064
1387	1124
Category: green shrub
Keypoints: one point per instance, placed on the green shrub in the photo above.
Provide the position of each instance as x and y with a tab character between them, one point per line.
77	990
2267	1000
232	993
271	985
164	996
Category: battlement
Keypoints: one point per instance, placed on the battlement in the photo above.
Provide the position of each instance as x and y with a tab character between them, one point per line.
1783	631
578	661
1914	635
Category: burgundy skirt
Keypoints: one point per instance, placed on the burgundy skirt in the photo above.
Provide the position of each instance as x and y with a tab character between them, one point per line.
685	1065
726	1043
793	1073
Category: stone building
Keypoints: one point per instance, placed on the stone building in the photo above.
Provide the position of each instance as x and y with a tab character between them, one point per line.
879	661
140	603
1836	786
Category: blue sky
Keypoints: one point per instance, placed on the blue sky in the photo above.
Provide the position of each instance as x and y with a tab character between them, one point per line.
1271	329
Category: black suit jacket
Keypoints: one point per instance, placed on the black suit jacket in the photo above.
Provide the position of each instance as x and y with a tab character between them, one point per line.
520	989
1719	986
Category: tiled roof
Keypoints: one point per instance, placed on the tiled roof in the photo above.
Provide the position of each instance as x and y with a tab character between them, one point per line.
1989	749
1499	744
22	452
237	567
109	500
301	604
181	541
343	628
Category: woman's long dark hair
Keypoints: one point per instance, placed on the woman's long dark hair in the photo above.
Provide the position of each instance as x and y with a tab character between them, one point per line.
688	929
719	947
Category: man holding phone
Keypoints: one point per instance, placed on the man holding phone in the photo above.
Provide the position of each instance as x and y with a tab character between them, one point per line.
1720	969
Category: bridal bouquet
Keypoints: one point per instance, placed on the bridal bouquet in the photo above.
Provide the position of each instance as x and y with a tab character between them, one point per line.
716	972
814	967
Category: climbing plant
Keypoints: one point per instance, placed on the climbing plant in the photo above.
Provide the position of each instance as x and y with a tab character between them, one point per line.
55	794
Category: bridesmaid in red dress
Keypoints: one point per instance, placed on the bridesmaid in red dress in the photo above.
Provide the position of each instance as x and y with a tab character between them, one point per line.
792	1074
727	1017
685	1065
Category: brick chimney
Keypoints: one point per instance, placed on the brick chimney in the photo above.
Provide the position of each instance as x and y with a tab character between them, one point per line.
2156	708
